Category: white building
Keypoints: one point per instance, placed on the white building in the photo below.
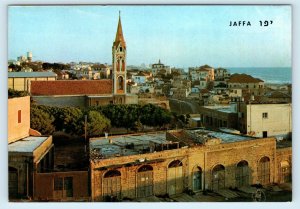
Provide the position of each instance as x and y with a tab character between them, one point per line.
265	120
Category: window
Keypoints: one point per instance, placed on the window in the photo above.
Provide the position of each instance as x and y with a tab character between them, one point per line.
120	82
19	116
68	186
265	115
58	183
285	172
64	186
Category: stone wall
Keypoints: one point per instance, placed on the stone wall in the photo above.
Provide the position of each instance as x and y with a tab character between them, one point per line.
204	158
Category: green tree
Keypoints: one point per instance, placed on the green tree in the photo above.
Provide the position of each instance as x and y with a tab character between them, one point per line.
70	119
15	68
14	93
152	115
67	119
97	123
41	121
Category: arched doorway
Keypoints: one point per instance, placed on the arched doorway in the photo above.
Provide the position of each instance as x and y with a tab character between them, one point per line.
218	177
175	177
13	182
112	185
263	173
242	174
145	181
197	179
285	172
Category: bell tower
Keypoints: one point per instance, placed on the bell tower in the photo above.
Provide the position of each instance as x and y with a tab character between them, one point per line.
119	61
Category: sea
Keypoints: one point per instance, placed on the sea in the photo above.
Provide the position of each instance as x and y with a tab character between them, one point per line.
273	75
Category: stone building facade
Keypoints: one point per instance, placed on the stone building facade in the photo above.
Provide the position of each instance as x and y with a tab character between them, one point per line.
249	85
210	166
219	116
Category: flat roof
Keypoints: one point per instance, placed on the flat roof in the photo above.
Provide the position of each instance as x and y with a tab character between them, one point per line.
124	145
221	108
225	137
100	96
134	144
30	74
28	144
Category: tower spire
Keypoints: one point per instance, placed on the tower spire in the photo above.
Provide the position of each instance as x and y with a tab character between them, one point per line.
119	35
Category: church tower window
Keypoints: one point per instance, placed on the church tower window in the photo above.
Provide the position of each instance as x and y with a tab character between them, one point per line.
120	82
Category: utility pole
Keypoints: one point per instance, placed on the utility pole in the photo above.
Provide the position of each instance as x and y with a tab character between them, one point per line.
85	127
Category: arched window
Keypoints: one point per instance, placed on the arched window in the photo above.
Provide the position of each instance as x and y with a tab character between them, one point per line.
145	181
120	83
175	163
145	168
13	182
197	179
118	65
218	177
123	65
112	185
242	174
263	173
175	177
285	172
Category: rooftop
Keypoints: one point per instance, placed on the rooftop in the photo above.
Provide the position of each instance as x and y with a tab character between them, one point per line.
202	135
71	87
221	108
134	144
243	78
124	145
30	74
28	144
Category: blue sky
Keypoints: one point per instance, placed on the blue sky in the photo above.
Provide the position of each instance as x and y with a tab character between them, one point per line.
180	36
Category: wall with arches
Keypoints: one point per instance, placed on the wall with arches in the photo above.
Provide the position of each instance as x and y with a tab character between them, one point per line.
197	168
283	165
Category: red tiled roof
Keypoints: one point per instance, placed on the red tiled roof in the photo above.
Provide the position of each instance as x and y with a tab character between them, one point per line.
72	87
243	78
